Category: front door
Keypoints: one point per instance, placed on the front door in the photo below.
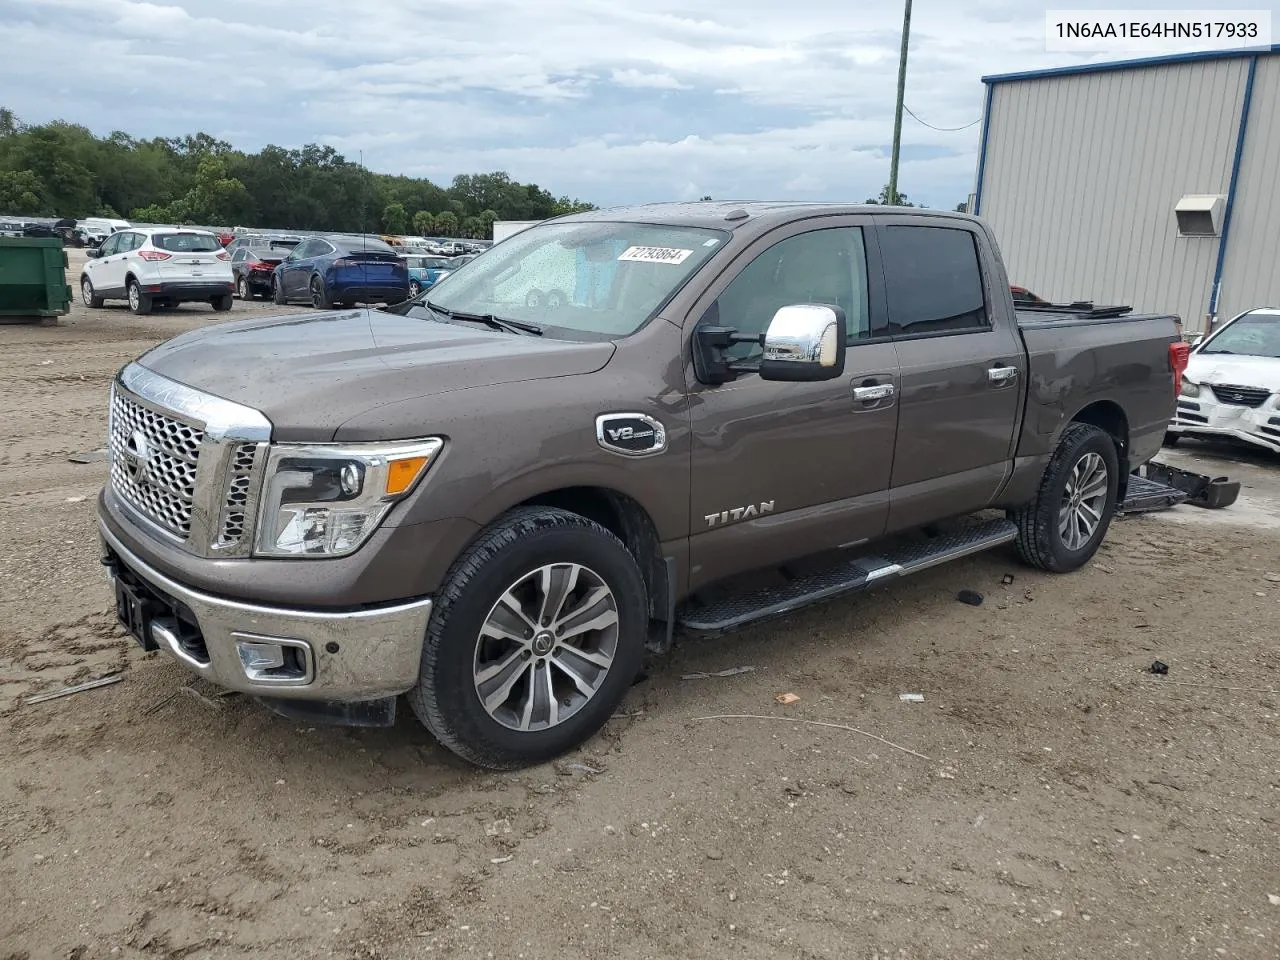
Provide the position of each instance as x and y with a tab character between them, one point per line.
963	369
109	278
297	269
785	469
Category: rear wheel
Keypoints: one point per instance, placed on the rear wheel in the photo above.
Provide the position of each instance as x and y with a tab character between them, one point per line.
242	289
415	288
222	303
87	295
139	302
319	296
1062	528
536	636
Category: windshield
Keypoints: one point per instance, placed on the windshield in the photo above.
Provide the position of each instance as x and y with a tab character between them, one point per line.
1253	335
186	242
606	279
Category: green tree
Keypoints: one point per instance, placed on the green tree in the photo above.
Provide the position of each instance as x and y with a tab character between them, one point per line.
395	219
423	223
20	192
565	205
707	197
447	223
487	219
900	200
962	206
472	228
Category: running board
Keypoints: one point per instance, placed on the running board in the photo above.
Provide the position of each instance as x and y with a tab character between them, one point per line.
845	576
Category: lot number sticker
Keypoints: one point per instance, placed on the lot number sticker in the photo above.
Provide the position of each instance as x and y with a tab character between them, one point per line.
655	255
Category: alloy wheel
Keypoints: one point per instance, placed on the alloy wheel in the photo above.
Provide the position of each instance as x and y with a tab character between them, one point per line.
1083	500
86	292
135	296
546	647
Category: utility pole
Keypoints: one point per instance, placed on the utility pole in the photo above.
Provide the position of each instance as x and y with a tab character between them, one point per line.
897	113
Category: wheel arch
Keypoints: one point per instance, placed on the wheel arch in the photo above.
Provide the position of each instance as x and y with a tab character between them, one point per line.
1109	416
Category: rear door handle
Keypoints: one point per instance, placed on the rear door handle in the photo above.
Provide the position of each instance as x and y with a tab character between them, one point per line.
1001	374
878	391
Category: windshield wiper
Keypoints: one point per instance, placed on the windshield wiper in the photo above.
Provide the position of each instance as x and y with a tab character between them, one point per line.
498	323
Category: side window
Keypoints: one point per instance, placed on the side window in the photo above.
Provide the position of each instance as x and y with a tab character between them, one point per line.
821	266
111	245
322	248
305	249
934	281
238	256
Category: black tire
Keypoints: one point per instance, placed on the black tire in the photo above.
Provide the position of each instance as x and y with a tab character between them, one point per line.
139	302
242	288
1040	541
87	295
223	303
277	293
319	295
1171	439
446	700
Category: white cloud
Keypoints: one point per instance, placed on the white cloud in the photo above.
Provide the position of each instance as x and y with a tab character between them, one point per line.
585	97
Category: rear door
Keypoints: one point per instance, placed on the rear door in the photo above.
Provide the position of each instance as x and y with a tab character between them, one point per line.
781	470
963	368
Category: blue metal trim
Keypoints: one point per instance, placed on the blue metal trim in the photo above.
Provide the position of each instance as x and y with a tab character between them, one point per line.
1231	189
982	153
1131	64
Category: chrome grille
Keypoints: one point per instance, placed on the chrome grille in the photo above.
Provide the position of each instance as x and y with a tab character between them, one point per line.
236	504
153	463
1240	396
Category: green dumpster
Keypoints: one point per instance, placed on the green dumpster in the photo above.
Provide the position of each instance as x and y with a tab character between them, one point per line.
33	277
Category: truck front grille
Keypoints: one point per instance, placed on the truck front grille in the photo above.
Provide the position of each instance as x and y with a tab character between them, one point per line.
153	463
1240	396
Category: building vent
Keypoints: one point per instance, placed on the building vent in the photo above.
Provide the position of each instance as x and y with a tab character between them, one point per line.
1200	215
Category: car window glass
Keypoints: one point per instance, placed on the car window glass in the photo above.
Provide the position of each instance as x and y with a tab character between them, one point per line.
238	256
110	245
822	266
303	250
187	242
934	281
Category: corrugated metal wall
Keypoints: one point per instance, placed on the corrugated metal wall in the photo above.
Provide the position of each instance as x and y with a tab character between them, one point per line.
1083	171
1251	274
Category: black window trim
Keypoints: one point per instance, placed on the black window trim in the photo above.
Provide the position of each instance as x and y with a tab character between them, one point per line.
940	223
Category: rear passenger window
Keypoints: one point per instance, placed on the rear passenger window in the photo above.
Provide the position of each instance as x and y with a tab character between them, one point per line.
934	281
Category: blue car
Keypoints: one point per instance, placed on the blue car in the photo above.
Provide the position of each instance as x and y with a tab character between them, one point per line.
341	271
424	272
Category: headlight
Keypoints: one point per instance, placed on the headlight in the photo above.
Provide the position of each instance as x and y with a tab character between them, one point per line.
325	500
1190	389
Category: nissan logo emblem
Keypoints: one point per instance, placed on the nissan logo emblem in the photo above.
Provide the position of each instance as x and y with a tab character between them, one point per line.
137	456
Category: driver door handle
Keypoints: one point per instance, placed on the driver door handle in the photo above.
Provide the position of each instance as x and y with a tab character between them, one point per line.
1001	374
879	391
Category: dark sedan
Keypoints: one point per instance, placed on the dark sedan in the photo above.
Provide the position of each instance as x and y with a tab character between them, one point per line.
341	271
254	271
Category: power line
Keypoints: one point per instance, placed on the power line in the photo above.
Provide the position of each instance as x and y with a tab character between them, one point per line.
940	129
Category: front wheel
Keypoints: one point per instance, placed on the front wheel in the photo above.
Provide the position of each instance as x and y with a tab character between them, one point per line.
90	298
415	288
536	636
277	293
1063	526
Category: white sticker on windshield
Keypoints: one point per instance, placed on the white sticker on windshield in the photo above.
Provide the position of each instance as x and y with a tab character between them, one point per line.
655	255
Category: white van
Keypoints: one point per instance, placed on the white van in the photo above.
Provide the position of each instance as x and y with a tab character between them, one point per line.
97	229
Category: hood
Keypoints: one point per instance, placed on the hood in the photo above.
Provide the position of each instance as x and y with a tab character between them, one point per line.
1236	370
309	374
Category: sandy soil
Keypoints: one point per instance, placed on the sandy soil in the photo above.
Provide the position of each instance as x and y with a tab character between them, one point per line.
1070	805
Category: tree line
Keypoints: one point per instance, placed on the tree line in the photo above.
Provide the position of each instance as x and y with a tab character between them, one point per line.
60	169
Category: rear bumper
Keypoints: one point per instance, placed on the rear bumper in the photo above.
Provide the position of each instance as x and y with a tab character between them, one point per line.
189	289
369	293
332	655
1206	417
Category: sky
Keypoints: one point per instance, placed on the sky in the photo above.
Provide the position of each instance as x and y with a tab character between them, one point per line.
610	103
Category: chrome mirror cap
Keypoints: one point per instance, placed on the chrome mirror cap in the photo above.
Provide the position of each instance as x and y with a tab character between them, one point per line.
804	342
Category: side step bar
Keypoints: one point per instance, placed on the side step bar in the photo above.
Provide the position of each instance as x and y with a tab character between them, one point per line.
845	576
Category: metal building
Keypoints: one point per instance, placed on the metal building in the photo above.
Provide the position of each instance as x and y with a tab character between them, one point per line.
1154	183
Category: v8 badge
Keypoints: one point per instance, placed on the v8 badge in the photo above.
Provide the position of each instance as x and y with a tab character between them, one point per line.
630	434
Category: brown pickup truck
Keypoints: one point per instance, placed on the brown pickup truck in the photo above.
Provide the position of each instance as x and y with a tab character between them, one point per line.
492	498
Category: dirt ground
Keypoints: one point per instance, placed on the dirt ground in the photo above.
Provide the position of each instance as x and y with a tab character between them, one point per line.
1050	798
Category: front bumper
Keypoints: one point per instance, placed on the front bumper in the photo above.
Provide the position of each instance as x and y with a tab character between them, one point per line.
1204	416
331	655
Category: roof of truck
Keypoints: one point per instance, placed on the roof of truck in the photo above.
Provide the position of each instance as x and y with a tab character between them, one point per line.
730	214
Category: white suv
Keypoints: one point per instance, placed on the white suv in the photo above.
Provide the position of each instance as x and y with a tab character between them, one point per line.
166	265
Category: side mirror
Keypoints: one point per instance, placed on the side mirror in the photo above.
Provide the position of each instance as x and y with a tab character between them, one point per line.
1197	340
93	253
805	342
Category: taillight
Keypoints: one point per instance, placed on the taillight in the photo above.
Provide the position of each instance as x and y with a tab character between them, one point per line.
1179	357
222	255
154	255
262	266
